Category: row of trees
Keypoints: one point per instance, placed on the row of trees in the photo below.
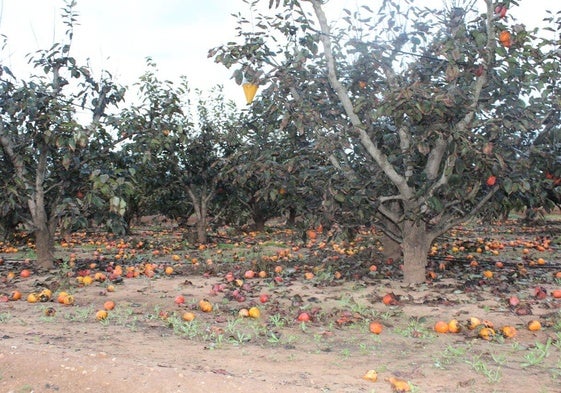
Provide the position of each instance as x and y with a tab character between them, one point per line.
410	119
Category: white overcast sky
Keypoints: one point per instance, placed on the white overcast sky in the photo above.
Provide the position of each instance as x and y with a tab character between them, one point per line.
118	35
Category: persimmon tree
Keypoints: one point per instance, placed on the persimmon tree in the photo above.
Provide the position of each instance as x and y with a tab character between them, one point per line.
177	146
275	173
43	144
426	111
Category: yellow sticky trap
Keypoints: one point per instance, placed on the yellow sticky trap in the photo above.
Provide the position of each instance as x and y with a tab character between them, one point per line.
249	90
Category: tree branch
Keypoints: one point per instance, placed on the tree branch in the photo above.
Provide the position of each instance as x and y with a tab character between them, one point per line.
379	157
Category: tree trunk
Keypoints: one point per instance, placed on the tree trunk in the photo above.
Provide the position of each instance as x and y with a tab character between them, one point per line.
291	220
44	236
200	207
259	221
415	248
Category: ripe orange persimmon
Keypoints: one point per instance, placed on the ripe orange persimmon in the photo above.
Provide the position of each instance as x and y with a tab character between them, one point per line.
473	322
371	375
454	326
375	327
303	317
68	300
188	316
25	273
488	274
556	293
15	295
101	315
491	180
441	327
505	38
32	298
109	305
205	305
486	333
254	312
534	325
508	331
311	234
389	299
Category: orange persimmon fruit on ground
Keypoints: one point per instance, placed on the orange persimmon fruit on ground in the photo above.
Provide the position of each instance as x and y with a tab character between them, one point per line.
15	295
188	316
454	326
486	333
389	299
32	298
473	322
303	317
534	325
399	385
109	305
441	327
205	305
25	273
254	312
375	327
556	293
508	331
370	375
100	315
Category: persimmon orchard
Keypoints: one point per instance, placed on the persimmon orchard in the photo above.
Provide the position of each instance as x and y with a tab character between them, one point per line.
428	116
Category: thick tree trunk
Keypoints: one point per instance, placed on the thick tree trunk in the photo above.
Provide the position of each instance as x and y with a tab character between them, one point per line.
43	233
44	243
259	221
415	248
200	205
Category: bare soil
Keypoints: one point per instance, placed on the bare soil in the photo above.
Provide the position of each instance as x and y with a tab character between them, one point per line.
144	346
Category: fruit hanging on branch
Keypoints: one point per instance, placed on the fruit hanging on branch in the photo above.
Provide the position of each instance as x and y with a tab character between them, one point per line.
501	10
505	38
249	90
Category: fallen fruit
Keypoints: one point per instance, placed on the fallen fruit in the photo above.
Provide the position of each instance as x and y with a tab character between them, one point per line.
556	293
49	312
101	315
264	298
254	312
179	299
25	273
441	327
534	326
486	333
375	327
109	305
399	385
205	305
389	299
303	317
188	316
491	180
454	326
473	322
15	295
371	375
508	331
32	298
